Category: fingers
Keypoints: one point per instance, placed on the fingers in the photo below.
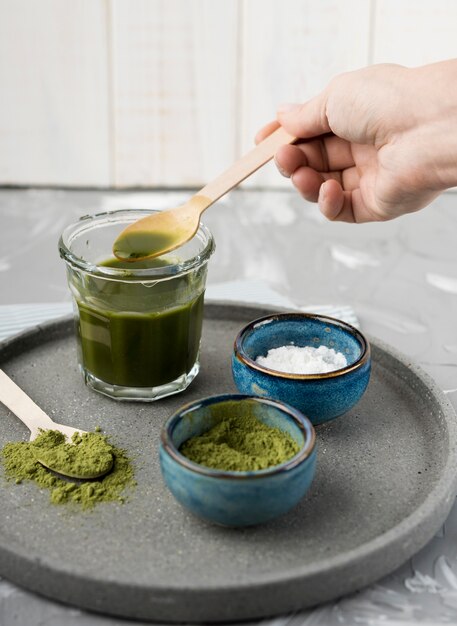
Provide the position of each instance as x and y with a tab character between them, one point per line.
292	162
345	206
301	120
334	203
289	158
337	151
325	154
266	131
308	182
305	120
336	190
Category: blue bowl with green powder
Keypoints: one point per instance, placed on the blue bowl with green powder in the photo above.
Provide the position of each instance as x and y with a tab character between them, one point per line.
238	431
318	364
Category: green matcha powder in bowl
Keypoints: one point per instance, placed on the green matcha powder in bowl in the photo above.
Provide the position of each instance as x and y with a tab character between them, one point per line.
238	460
240	445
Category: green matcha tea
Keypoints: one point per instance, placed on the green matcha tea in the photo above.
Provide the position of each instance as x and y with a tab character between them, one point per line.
148	337
140	350
138	324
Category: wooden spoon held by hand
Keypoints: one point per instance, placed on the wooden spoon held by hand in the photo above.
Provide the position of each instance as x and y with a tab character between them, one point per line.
37	421
166	230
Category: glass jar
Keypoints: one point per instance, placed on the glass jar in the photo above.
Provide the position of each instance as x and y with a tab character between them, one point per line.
138	324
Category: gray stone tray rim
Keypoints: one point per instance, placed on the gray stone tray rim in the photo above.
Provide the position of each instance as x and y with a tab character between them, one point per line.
431	512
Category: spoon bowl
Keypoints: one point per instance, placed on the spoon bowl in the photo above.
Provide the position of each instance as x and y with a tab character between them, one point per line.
74	475
36	420
162	232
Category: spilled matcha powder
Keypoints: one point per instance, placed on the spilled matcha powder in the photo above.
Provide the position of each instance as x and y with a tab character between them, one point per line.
88	452
240	444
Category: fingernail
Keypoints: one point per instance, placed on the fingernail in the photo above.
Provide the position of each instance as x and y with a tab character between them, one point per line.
322	192
281	171
288	107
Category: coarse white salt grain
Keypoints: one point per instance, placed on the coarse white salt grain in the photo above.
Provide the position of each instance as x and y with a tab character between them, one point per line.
307	360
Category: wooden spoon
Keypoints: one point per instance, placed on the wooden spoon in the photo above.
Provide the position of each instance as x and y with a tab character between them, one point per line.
36	420
166	230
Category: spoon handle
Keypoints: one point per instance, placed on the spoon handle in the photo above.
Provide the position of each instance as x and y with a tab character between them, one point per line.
246	165
23	407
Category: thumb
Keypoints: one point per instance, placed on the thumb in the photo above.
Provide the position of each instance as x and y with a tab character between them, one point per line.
305	120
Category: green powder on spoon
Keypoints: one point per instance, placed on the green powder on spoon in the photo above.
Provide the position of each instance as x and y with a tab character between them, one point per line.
89	450
89	455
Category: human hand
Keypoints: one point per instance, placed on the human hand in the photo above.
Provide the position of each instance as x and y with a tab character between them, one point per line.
377	143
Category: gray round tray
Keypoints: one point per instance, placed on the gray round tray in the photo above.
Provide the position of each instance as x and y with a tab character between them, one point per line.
385	481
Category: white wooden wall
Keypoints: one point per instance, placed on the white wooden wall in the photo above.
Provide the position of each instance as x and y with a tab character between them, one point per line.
170	92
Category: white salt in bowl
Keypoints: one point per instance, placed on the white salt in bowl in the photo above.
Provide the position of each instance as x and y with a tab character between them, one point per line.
322	395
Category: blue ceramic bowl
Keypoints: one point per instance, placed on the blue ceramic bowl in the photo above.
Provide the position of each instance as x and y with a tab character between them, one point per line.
237	498
321	397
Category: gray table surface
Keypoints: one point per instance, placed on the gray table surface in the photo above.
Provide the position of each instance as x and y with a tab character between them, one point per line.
272	247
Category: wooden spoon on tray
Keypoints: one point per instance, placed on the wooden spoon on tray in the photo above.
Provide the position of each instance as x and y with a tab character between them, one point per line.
164	231
36	420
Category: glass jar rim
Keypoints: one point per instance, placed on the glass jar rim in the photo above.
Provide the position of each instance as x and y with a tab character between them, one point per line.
115	273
